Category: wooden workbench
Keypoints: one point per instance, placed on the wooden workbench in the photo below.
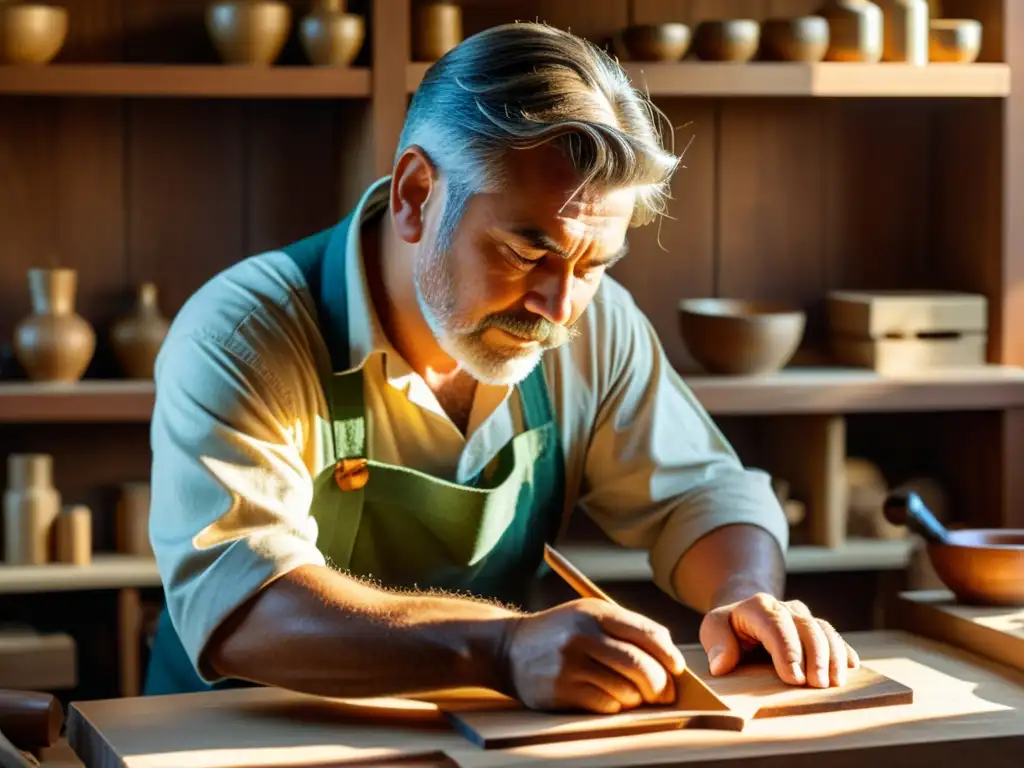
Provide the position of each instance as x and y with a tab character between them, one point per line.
967	711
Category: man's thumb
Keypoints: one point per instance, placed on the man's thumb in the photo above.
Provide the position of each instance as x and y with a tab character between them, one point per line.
720	644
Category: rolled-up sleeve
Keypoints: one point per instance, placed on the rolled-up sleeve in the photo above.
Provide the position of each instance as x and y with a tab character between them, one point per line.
230	492
659	473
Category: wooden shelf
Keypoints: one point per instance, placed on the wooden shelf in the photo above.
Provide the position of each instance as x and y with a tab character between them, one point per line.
792	391
607	562
106	571
827	79
601	562
85	401
856	390
201	81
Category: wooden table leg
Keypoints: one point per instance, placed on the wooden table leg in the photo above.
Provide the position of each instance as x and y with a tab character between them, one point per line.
129	627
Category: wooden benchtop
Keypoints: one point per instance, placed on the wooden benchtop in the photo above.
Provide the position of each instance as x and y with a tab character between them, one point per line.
965	709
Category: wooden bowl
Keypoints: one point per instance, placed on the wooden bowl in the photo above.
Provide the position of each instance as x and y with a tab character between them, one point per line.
734	40
737	337
249	31
954	41
802	38
982	566
656	42
32	33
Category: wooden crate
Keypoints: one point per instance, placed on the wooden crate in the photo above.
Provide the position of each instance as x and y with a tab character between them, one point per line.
908	331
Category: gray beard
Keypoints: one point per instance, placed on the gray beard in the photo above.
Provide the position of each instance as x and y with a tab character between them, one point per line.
462	340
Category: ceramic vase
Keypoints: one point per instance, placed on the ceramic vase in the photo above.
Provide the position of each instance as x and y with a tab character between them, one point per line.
330	36
137	338
31	33
855	31
905	31
436	29
132	522
54	343
72	535
249	32
31	504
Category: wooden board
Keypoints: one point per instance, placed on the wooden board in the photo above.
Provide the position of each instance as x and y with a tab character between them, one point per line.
254	728
993	632
751	692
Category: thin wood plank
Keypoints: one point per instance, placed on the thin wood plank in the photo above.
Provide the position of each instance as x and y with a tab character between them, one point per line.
185	198
292	163
673	258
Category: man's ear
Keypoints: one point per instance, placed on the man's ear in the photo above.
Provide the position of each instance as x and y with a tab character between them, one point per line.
412	185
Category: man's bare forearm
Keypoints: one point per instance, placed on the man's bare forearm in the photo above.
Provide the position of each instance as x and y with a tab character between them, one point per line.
319	631
730	564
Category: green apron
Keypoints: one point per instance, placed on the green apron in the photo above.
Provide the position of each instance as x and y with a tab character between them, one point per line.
395	525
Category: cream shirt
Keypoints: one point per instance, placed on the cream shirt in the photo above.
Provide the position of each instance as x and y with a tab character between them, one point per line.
236	439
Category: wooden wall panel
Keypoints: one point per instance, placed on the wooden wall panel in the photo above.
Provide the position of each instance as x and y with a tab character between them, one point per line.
185	198
95	31
770	199
673	258
292	152
596	20
878	186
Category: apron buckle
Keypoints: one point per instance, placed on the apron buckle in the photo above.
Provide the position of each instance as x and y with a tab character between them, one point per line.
351	474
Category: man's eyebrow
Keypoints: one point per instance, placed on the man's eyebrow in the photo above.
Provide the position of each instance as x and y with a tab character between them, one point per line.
538	239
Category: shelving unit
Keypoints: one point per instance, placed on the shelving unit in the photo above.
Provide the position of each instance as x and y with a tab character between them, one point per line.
788	392
137	156
825	79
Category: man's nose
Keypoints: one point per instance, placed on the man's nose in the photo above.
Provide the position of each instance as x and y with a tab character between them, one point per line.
551	297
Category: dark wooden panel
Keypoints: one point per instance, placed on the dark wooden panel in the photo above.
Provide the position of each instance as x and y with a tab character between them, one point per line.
292	162
593	19
95	32
185	194
771	206
877	169
673	258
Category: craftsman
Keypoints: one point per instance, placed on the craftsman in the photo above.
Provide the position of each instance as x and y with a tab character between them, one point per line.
362	441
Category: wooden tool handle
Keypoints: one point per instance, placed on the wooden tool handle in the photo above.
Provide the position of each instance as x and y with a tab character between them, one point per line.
574	577
30	720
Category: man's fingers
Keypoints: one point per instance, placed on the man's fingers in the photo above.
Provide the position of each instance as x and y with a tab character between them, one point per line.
618	686
720	643
837	653
773	625
852	657
647	676
647	635
580	694
816	648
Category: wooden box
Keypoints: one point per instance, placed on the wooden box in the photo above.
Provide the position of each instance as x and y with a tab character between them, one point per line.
908	331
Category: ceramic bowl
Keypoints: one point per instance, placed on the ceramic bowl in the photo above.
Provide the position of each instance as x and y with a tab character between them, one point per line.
802	38
734	40
738	337
249	32
982	567
656	42
32	33
954	41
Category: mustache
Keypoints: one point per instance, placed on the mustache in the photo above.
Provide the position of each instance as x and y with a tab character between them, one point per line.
531	327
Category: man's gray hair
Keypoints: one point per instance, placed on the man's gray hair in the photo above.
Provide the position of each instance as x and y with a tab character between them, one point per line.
519	86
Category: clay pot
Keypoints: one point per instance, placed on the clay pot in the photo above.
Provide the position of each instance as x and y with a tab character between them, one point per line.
249	31
954	41
802	38
905	31
732	336
136	339
734	40
436	29
31	505
132	520
54	343
32	33
855	31
656	42
331	37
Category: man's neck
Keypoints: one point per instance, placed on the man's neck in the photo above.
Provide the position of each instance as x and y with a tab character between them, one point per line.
389	274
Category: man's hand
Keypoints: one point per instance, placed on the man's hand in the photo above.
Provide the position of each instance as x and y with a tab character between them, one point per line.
803	649
593	655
